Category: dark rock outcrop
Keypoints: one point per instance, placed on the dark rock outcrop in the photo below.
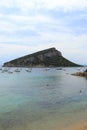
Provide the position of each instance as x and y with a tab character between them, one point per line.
46	58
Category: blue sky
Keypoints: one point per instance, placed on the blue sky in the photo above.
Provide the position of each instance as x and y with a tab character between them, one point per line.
27	26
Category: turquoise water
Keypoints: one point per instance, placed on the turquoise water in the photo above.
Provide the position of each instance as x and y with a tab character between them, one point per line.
42	99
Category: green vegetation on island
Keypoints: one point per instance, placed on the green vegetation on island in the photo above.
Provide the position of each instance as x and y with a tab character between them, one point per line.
46	58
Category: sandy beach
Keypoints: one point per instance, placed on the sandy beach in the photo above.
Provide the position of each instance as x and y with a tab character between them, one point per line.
82	126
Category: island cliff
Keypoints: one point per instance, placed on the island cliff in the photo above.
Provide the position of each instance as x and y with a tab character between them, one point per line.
46	58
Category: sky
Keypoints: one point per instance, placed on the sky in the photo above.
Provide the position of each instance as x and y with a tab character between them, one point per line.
28	26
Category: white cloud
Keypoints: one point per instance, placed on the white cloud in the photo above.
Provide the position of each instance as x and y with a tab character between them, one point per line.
11	23
49	4
66	4
72	47
51	31
31	19
6	3
11	51
6	26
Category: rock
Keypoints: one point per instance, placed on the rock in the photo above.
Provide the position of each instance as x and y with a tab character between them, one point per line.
46	58
85	70
84	74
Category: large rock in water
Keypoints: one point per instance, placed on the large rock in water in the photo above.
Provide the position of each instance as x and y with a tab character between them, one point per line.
46	58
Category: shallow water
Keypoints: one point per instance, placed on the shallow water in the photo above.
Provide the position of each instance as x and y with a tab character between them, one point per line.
42	99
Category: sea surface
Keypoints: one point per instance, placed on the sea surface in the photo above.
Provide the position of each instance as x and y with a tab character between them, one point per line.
42	99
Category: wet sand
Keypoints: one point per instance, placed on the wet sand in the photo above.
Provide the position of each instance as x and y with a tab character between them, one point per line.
82	126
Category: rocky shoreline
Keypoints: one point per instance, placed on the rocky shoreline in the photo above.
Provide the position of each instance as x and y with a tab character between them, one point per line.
83	74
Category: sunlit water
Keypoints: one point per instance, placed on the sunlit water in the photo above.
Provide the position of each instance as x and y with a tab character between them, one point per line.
42	99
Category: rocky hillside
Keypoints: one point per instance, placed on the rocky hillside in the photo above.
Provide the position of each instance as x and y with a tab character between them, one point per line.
46	58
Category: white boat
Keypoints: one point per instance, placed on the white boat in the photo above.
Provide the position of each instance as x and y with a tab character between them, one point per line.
17	70
47	69
0	68
59	68
5	69
28	69
10	72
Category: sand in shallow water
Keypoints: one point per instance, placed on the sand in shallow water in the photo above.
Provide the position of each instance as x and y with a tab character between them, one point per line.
82	126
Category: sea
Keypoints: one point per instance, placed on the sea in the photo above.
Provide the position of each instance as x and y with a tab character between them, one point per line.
42	98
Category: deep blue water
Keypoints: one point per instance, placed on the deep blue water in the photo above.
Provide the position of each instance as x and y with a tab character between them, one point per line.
41	99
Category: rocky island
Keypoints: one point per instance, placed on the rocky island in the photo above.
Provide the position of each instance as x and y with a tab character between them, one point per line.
45	58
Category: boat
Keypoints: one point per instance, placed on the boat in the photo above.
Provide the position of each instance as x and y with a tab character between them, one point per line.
47	69
0	68
59	68
10	72
17	70
28	69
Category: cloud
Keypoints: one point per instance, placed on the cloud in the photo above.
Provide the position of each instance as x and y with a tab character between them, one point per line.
66	4
49	4
72	47
12	51
27	26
